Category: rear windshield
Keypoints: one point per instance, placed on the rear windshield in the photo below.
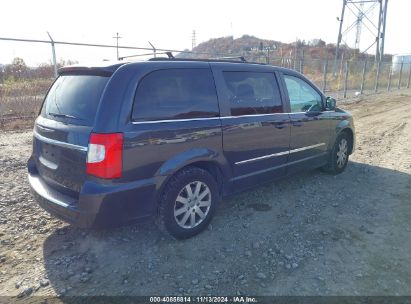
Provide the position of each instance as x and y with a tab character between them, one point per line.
74	99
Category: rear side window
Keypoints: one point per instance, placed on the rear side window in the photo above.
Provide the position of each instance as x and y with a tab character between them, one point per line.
176	94
252	93
74	99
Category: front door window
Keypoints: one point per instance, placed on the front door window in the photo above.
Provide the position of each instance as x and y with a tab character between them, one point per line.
303	97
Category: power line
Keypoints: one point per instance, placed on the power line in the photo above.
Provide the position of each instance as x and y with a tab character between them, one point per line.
112	46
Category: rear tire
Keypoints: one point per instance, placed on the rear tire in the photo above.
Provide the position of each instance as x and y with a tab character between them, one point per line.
188	203
339	155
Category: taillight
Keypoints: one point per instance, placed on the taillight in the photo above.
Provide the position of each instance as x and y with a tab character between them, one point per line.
105	155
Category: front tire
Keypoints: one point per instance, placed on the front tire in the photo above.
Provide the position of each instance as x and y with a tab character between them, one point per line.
338	159
188	203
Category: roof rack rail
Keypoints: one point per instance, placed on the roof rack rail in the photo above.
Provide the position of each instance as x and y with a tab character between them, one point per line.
222	59
228	58
169	55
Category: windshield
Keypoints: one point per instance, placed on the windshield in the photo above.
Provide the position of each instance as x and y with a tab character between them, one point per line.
74	98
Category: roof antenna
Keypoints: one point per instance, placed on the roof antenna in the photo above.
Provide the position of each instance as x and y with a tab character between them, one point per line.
170	55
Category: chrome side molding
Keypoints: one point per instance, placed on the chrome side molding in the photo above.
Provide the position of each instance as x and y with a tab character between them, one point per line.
262	157
280	154
205	118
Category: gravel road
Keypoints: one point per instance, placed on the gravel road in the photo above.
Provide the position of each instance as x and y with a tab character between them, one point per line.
313	234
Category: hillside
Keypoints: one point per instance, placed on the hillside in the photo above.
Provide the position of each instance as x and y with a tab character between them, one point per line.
256	49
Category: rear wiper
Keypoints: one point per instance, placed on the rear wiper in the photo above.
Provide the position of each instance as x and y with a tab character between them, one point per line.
64	116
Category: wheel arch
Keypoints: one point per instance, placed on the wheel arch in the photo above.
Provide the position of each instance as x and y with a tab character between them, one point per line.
346	126
211	166
350	134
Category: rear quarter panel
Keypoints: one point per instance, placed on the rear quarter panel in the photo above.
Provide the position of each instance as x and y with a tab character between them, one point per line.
154	151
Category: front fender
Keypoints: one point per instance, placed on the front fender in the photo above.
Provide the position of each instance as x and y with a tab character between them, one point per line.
345	125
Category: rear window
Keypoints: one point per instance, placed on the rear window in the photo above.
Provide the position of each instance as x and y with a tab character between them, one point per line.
176	94
74	99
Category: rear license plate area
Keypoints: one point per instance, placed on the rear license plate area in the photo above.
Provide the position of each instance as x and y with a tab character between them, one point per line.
50	152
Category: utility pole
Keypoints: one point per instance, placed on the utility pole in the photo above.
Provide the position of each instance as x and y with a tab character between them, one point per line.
193	40
117	37
295	54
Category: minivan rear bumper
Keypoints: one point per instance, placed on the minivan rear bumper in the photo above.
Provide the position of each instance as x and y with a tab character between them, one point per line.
58	204
98	205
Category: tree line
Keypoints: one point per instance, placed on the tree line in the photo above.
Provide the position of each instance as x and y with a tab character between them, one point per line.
18	70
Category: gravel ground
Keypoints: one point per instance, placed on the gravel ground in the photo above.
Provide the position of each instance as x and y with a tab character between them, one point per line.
313	234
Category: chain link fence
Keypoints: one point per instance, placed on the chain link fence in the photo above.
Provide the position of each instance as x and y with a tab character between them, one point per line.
349	78
22	91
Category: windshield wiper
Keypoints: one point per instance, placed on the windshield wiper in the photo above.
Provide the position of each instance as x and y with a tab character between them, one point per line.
64	116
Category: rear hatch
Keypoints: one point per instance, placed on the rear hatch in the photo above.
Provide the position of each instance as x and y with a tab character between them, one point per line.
62	130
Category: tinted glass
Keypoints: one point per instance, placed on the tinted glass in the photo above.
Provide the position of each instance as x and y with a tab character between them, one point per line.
252	93
303	97
176	94
74	98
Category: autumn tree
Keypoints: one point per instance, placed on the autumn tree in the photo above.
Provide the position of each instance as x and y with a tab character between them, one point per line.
17	69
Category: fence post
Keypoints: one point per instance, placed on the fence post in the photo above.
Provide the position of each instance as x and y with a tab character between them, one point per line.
389	80
346	79
295	57
377	76
340	74
409	77
154	49
399	80
53	49
302	61
363	76
325	74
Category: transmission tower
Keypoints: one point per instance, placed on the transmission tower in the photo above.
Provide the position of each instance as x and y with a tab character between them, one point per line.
370	15
193	40
360	16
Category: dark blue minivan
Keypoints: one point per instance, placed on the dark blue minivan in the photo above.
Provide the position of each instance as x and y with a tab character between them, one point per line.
169	138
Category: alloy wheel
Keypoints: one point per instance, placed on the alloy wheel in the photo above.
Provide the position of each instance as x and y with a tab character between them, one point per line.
192	204
342	153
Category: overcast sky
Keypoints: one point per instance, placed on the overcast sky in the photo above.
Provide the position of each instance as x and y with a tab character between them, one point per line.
169	24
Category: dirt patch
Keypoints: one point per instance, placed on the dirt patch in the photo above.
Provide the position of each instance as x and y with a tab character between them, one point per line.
22	123
313	234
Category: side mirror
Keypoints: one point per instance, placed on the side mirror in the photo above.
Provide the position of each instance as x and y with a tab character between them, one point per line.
330	103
